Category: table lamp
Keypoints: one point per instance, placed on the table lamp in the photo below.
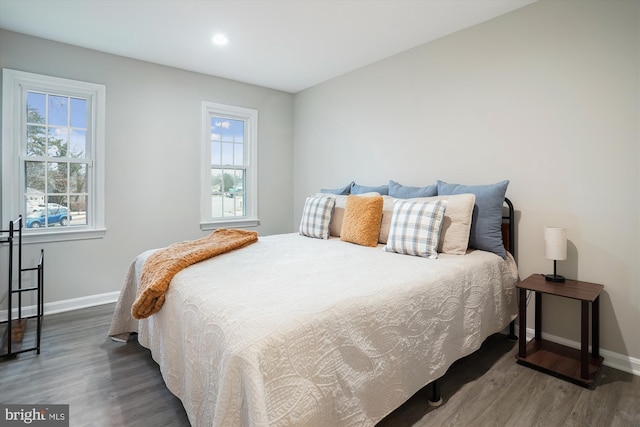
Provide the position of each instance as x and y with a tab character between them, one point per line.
555	248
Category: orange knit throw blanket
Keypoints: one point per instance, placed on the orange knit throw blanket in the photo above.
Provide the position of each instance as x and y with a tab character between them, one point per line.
162	265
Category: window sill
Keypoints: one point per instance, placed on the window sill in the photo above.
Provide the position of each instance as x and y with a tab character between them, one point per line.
243	223
29	237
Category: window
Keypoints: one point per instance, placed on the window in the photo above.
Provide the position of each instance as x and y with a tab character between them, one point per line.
53	153
229	167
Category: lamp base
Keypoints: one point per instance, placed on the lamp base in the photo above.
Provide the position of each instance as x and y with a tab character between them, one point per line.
554	278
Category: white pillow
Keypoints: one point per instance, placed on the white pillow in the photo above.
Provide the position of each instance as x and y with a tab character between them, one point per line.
316	216
415	228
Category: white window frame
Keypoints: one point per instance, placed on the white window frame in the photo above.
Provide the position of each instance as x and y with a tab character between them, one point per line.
250	146
15	85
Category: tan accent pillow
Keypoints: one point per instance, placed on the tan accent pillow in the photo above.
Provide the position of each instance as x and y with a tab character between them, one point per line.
387	214
362	217
337	216
456	226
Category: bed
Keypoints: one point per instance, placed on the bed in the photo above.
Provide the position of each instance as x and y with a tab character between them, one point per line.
295	330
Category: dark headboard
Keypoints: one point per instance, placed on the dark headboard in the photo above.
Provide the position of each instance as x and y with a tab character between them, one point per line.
508	227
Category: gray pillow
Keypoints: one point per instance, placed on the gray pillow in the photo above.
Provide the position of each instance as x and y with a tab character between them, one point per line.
400	191
486	225
383	190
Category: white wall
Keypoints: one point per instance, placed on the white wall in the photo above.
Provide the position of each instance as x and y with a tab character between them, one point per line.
153	131
546	96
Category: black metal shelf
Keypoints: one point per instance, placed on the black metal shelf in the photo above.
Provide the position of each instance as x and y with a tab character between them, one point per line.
17	322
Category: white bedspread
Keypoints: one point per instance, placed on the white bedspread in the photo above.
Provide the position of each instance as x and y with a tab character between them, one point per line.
299	331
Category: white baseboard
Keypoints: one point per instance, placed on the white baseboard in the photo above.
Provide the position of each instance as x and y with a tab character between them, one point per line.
614	360
66	305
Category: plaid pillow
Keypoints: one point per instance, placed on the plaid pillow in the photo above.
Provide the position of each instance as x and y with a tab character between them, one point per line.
316	216
415	228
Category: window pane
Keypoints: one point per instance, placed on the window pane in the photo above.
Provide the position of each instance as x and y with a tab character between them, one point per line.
57	177
215	128
35	188
78	144
227	182
79	113
238	193
238	159
216	158
229	193
239	179
34	201
227	130
58	110
57	200
35	178
36	140
78	210
216	181
238	130
36	217
217	201
36	107
217	192
227	153
78	178
58	142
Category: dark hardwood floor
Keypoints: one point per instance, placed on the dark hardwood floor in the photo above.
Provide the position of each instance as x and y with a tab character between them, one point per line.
113	384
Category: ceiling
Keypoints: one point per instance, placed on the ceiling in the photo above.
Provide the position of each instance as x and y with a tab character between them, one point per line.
288	45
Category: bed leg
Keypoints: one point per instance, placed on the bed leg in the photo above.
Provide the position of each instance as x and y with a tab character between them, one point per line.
512	331
435	400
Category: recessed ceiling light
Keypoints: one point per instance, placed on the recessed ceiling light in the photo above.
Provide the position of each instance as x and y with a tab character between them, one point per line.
220	39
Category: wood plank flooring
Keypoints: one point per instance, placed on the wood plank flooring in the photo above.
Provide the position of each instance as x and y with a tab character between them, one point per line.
114	384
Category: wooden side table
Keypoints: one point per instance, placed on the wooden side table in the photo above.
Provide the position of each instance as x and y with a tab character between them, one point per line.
577	366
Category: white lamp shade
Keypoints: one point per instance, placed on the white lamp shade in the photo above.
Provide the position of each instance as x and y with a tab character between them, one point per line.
555	243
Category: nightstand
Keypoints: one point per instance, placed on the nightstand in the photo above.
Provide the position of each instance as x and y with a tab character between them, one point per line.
577	366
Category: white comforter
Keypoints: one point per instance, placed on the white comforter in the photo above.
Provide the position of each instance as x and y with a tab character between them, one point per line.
299	331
